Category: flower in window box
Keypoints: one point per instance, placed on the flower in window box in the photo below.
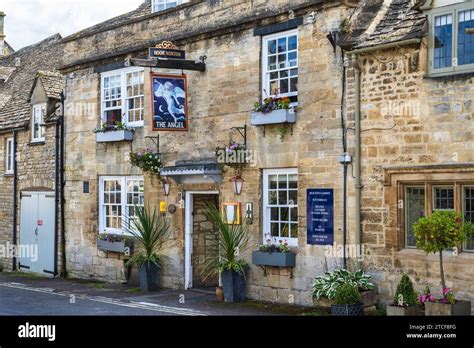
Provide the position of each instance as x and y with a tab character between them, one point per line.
272	103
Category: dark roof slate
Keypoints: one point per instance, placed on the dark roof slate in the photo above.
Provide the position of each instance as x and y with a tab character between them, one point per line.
27	62
378	22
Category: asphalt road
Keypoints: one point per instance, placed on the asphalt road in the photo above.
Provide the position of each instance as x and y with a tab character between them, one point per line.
14	301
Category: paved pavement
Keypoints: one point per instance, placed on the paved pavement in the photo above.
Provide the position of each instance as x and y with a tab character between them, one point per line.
31	295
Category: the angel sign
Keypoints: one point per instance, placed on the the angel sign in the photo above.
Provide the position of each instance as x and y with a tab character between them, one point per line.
170	104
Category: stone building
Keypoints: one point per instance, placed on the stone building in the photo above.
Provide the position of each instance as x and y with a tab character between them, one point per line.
5	48
413	77
238	43
30	88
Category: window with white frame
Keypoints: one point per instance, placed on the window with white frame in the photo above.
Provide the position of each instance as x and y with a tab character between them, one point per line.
280	205
468	210
123	97
9	156
452	39
161	5
280	65
39	113
119	196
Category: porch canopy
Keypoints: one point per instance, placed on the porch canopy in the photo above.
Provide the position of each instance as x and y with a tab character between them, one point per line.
194	171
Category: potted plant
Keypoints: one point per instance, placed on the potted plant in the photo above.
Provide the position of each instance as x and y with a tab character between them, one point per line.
233	240
115	132
150	230
435	233
405	301
347	301
325	287
273	110
148	161
272	254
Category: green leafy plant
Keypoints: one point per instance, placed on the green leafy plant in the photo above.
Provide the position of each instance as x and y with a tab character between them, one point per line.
440	231
327	285
270	104
347	294
110	127
150	230
148	161
283	130
233	240
405	295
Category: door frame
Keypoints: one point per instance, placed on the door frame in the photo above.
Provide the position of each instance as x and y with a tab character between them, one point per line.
188	234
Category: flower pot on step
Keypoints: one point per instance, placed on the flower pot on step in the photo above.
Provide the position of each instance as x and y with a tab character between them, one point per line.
409	311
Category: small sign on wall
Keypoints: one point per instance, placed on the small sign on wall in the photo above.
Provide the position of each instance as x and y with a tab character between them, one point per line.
320	216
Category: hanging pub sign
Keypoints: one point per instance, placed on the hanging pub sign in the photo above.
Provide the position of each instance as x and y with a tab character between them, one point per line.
166	50
170	102
320	216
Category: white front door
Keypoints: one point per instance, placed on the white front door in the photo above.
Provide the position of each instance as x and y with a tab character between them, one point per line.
37	249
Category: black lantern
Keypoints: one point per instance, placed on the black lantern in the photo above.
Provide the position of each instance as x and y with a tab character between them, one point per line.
166	187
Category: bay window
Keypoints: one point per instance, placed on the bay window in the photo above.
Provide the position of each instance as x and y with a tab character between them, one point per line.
118	198
427	197
452	39
280	65
123	97
280	205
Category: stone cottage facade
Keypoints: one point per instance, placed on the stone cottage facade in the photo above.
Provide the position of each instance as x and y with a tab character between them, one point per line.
237	38
29	93
416	132
382	96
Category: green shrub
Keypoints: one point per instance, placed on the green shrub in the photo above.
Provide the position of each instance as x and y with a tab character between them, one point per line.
327	285
405	295
347	294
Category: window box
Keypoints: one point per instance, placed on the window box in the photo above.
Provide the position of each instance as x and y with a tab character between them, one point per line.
261	258
114	136
115	247
273	117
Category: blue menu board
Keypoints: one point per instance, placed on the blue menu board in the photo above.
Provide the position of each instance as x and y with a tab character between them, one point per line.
320	216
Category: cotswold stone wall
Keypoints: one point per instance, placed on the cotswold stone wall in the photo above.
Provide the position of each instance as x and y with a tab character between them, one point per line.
219	99
414	129
35	171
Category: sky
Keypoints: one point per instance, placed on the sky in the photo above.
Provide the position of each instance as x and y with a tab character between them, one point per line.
30	21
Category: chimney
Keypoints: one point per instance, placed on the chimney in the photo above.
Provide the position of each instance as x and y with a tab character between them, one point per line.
2	34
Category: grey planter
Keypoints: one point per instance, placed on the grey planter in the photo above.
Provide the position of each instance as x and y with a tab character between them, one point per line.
273	117
149	277
114	136
233	284
116	247
261	258
356	310
369	299
411	311
445	309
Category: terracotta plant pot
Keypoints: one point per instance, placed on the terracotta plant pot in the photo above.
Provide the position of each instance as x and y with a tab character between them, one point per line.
220	293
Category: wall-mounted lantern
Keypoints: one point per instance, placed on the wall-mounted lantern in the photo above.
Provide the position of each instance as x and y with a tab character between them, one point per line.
166	186
237	184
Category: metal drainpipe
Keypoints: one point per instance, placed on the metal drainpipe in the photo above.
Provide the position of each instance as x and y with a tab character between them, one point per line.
57	198
357	160
357	150
61	181
15	197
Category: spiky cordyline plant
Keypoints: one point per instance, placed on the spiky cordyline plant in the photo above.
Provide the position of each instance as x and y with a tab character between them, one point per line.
233	240
151	231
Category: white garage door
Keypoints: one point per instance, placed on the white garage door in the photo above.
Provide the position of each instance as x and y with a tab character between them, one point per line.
37	232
